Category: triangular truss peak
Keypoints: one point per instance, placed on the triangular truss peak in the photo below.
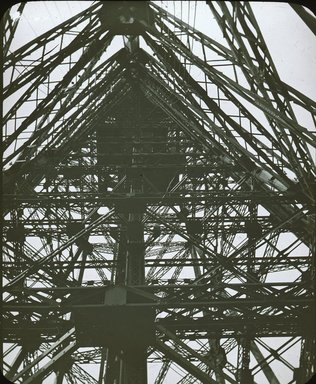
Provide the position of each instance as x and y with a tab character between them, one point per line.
158	188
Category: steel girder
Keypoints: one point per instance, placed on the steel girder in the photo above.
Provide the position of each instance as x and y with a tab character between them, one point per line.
219	217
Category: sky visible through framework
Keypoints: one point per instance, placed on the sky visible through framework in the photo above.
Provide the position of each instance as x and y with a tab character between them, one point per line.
290	42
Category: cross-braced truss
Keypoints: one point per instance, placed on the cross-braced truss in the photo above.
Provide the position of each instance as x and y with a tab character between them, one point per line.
158	192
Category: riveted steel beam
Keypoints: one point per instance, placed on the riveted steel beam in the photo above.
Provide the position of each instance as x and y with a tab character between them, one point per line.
184	363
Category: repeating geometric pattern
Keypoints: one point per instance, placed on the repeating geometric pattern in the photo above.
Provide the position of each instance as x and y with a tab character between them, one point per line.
159	203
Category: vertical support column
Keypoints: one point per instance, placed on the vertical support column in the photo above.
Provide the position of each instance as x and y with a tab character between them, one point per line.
59	377
102	364
216	352
246	376
252	229
121	257
135	358
134	366
128	365
113	367
135	269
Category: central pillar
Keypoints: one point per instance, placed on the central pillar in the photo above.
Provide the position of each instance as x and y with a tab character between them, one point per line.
128	364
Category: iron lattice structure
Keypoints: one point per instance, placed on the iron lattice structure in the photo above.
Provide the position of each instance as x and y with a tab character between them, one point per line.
158	203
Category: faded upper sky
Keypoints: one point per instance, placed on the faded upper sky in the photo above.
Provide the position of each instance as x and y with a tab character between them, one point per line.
290	42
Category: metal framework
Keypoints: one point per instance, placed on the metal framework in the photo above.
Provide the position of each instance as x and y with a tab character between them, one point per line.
159	203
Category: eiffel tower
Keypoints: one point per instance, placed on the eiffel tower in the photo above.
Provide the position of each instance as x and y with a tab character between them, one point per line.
158	202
